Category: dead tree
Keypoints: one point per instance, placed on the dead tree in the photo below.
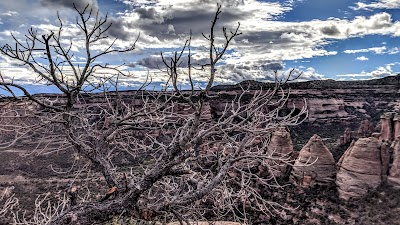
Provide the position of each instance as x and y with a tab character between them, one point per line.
196	161
7	202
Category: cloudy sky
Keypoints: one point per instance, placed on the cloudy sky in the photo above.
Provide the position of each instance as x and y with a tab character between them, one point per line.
324	39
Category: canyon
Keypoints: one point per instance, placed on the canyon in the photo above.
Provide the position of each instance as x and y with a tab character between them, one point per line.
351	134
334	105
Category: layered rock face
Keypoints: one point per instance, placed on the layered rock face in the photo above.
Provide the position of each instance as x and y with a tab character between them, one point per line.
321	171
362	167
333	105
280	146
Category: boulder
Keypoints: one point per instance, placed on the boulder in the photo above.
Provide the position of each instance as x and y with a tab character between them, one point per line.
362	167
315	162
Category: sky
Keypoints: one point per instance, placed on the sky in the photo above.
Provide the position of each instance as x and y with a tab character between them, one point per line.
322	39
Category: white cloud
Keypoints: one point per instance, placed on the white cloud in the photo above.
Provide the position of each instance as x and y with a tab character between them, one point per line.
376	50
381	71
9	33
362	58
10	13
300	40
389	66
310	74
166	23
380	4
46	27
362	74
394	50
293	2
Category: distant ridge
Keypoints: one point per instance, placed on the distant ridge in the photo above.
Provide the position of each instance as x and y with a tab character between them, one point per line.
392	81
314	84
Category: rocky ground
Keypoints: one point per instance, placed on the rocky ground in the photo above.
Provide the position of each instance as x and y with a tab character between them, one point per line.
321	205
315	204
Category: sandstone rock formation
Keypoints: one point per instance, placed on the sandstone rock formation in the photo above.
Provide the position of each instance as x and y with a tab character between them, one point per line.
362	167
394	174
366	129
346	137
396	125
387	127
385	160
333	105
280	146
321	171
281	142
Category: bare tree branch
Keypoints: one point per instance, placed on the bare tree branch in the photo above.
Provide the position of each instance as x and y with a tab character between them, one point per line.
192	165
